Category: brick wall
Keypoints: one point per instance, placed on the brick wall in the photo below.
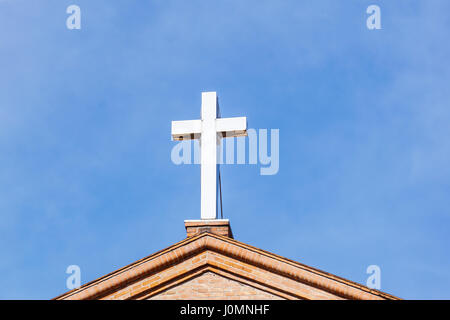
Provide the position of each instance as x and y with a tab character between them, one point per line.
212	286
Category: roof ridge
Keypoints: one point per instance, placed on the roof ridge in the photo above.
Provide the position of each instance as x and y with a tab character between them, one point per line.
207	244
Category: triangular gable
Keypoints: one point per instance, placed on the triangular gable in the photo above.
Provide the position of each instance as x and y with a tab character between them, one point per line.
210	254
210	285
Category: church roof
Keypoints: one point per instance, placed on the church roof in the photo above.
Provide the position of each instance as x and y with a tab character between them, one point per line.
208	253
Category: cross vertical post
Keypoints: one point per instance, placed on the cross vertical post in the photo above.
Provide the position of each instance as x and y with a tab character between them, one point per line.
209	156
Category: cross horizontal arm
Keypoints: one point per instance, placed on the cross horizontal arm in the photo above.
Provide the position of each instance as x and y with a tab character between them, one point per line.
232	127
186	130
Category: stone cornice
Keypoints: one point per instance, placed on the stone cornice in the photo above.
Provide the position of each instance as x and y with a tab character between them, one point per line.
231	248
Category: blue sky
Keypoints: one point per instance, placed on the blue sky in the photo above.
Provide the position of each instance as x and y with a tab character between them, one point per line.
85	170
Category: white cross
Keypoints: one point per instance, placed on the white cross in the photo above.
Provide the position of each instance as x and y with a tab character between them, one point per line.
210	129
